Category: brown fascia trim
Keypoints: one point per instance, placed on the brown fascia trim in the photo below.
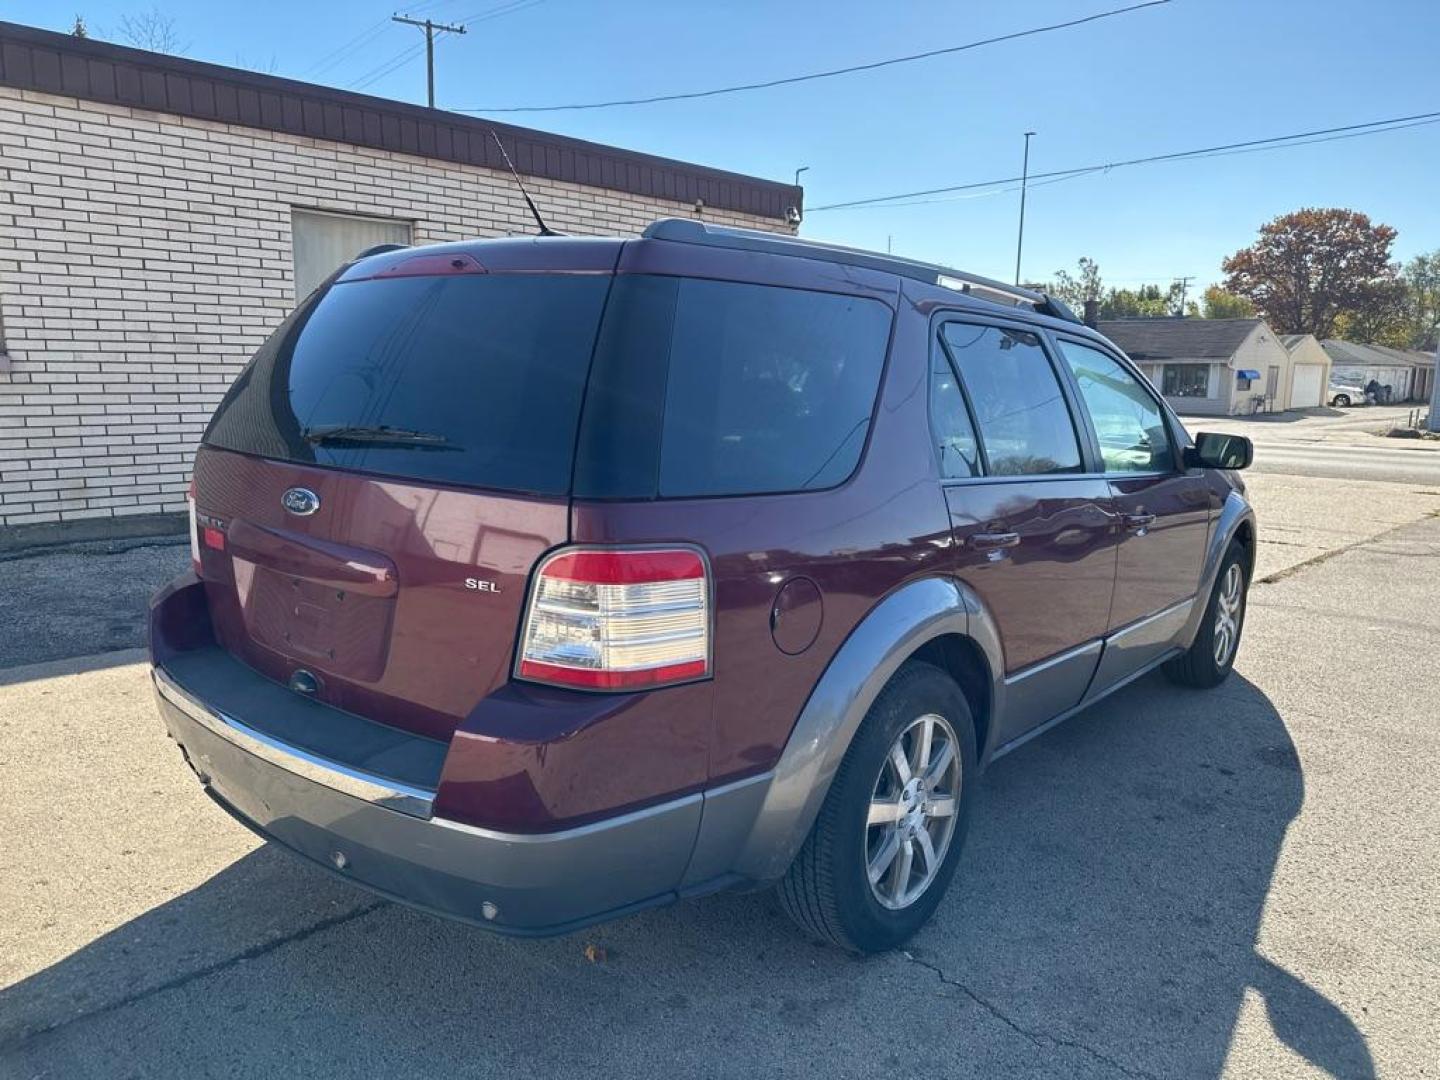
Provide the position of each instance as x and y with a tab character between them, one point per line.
51	63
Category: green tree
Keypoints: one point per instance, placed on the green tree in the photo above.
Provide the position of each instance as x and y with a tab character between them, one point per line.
1146	302
1311	266
1422	286
1076	288
1219	304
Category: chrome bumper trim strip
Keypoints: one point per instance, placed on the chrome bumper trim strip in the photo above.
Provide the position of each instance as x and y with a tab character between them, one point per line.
367	787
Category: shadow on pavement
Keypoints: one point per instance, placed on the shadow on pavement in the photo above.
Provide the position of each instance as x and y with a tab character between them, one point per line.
1104	920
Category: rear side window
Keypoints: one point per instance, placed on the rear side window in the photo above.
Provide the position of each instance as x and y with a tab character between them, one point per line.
722	388
480	378
1024	422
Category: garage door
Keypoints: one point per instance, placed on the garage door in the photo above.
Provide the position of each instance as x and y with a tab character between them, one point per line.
1306	385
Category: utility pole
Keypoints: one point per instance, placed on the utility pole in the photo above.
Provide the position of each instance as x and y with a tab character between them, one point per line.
1024	184
1184	283
430	28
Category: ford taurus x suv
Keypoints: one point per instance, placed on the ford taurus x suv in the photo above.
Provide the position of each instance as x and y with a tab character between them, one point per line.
539	581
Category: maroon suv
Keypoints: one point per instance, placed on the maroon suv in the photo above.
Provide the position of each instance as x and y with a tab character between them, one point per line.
539	581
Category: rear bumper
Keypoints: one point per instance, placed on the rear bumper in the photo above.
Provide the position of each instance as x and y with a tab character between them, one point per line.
382	835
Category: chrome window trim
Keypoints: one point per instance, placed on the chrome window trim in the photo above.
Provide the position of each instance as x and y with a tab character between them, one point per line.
368	787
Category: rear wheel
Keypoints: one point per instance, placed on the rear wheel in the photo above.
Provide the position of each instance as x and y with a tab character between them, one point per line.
888	837
1211	655
1341	401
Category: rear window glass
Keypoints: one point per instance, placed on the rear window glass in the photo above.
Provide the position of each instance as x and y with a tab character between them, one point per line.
478	378
722	388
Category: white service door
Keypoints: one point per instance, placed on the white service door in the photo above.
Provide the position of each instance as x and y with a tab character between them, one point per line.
1306	385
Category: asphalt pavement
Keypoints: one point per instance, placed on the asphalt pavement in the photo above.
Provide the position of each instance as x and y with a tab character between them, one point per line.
1238	882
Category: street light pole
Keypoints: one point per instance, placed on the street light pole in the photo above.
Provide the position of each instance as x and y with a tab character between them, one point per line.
1024	184
803	168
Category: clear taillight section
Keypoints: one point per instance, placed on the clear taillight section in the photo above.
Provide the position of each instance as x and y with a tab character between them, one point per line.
617	619
194	529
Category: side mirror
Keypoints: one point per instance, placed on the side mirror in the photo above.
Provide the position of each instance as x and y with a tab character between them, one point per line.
1213	450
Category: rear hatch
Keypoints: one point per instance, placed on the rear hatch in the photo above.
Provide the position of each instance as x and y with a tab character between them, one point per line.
376	486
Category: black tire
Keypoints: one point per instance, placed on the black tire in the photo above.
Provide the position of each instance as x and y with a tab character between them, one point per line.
1341	401
827	890
1197	666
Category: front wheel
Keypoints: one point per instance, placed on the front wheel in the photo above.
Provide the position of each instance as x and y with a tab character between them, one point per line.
1211	655
1342	401
888	837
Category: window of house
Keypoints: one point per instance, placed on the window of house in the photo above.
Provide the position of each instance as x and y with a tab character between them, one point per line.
321	242
1024	422
1186	380
1128	421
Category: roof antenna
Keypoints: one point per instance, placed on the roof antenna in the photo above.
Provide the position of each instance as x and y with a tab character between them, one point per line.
545	230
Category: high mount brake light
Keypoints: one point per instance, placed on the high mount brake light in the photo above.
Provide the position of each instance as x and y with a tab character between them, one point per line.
617	619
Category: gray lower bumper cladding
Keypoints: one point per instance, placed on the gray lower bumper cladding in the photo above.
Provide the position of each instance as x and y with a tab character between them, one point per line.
384	839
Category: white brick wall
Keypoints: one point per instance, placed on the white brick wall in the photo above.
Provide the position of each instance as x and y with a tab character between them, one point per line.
144	256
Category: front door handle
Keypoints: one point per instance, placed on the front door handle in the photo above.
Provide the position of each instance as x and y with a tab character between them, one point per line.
994	541
1138	523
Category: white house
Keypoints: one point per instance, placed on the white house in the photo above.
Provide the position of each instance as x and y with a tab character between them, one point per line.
1211	367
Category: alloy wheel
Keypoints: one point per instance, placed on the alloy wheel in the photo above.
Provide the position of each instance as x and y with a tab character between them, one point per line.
1228	605
912	814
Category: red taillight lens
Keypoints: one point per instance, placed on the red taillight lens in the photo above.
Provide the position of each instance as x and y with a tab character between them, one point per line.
617	620
194	528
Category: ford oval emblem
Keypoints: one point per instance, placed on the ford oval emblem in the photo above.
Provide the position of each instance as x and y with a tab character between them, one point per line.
301	501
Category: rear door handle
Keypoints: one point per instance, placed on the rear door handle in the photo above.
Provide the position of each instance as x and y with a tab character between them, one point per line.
994	541
1138	523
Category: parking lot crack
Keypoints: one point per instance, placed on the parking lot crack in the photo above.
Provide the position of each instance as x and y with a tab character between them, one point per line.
1040	1039
255	952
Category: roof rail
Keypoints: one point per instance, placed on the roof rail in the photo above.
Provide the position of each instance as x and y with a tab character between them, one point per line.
688	231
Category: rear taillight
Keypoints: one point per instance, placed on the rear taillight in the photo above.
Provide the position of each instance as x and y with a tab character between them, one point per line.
194	528
603	619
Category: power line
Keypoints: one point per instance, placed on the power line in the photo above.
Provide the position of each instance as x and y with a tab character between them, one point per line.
349	47
404	56
830	74
1273	142
385	67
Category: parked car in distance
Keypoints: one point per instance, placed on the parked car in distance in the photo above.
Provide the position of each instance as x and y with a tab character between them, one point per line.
540	581
1343	394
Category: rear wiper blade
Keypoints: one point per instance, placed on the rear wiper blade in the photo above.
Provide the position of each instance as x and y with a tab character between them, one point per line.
376	434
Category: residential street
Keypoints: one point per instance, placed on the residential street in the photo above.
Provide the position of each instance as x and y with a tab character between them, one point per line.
1334	443
1175	883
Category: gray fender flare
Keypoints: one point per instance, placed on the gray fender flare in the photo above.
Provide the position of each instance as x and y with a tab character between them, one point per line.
897	626
1233	514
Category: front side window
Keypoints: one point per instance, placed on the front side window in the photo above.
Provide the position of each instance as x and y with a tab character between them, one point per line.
1024	422
1128	421
1186	380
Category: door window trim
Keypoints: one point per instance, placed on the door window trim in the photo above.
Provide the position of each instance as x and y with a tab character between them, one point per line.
1091	465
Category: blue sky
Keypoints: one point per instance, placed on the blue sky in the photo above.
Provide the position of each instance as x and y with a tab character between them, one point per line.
1189	74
